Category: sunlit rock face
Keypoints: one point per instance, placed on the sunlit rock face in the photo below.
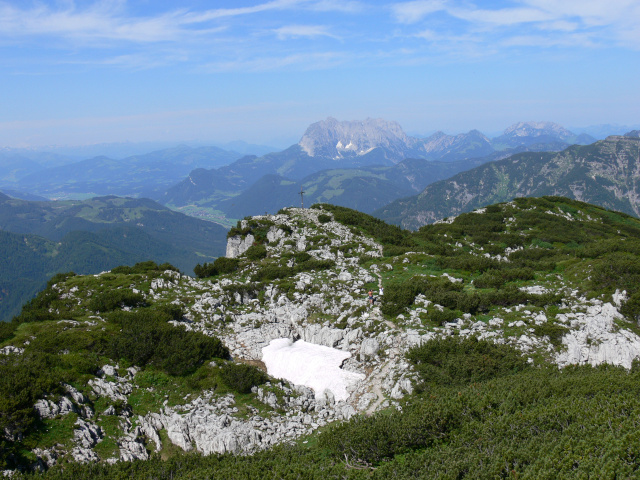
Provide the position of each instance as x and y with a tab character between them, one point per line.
314	366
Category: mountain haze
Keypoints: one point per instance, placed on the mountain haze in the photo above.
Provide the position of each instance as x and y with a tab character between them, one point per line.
146	175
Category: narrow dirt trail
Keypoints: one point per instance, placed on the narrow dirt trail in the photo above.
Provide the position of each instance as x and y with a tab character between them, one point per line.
377	389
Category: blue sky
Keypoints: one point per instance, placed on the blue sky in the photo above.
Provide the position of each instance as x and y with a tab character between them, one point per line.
83	72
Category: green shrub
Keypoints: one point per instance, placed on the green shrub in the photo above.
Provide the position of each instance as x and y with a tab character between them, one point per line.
273	272
172	310
631	308
497	278
241	377
445	316
114	299
302	257
458	361
618	270
324	218
23	380
221	265
143	267
145	338
401	295
256	252
553	330
7	330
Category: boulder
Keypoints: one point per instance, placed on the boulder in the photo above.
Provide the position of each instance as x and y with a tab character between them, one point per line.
237	245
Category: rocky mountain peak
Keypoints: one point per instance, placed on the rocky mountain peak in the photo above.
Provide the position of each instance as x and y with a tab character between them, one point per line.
336	139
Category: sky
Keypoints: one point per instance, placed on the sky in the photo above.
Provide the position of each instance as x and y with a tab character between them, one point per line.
99	71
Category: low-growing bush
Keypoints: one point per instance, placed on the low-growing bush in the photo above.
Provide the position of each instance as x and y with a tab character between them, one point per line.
143	267
618	270
553	330
497	278
256	252
241	377
114	299
458	361
220	265
273	272
145	338
446	315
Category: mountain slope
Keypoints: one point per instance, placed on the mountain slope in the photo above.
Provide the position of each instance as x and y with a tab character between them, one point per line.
606	173
457	370
28	261
365	189
54	220
375	148
92	236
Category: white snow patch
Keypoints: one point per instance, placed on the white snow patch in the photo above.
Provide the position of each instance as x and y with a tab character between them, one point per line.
314	366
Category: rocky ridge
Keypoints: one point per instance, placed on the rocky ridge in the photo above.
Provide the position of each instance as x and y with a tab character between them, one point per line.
324	307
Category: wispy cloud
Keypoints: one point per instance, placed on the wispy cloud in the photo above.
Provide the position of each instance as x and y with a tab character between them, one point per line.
305	61
267	34
292	31
109	20
501	17
578	20
412	12
234	12
337	6
97	21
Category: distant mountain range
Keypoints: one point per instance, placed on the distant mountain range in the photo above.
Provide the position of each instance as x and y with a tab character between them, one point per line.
346	140
359	164
606	173
385	164
145	175
39	239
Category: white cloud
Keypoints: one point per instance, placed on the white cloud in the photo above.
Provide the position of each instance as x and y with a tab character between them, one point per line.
337	6
591	12
303	31
108	20
585	23
306	61
412	12
233	12
547	41
97	21
501	17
